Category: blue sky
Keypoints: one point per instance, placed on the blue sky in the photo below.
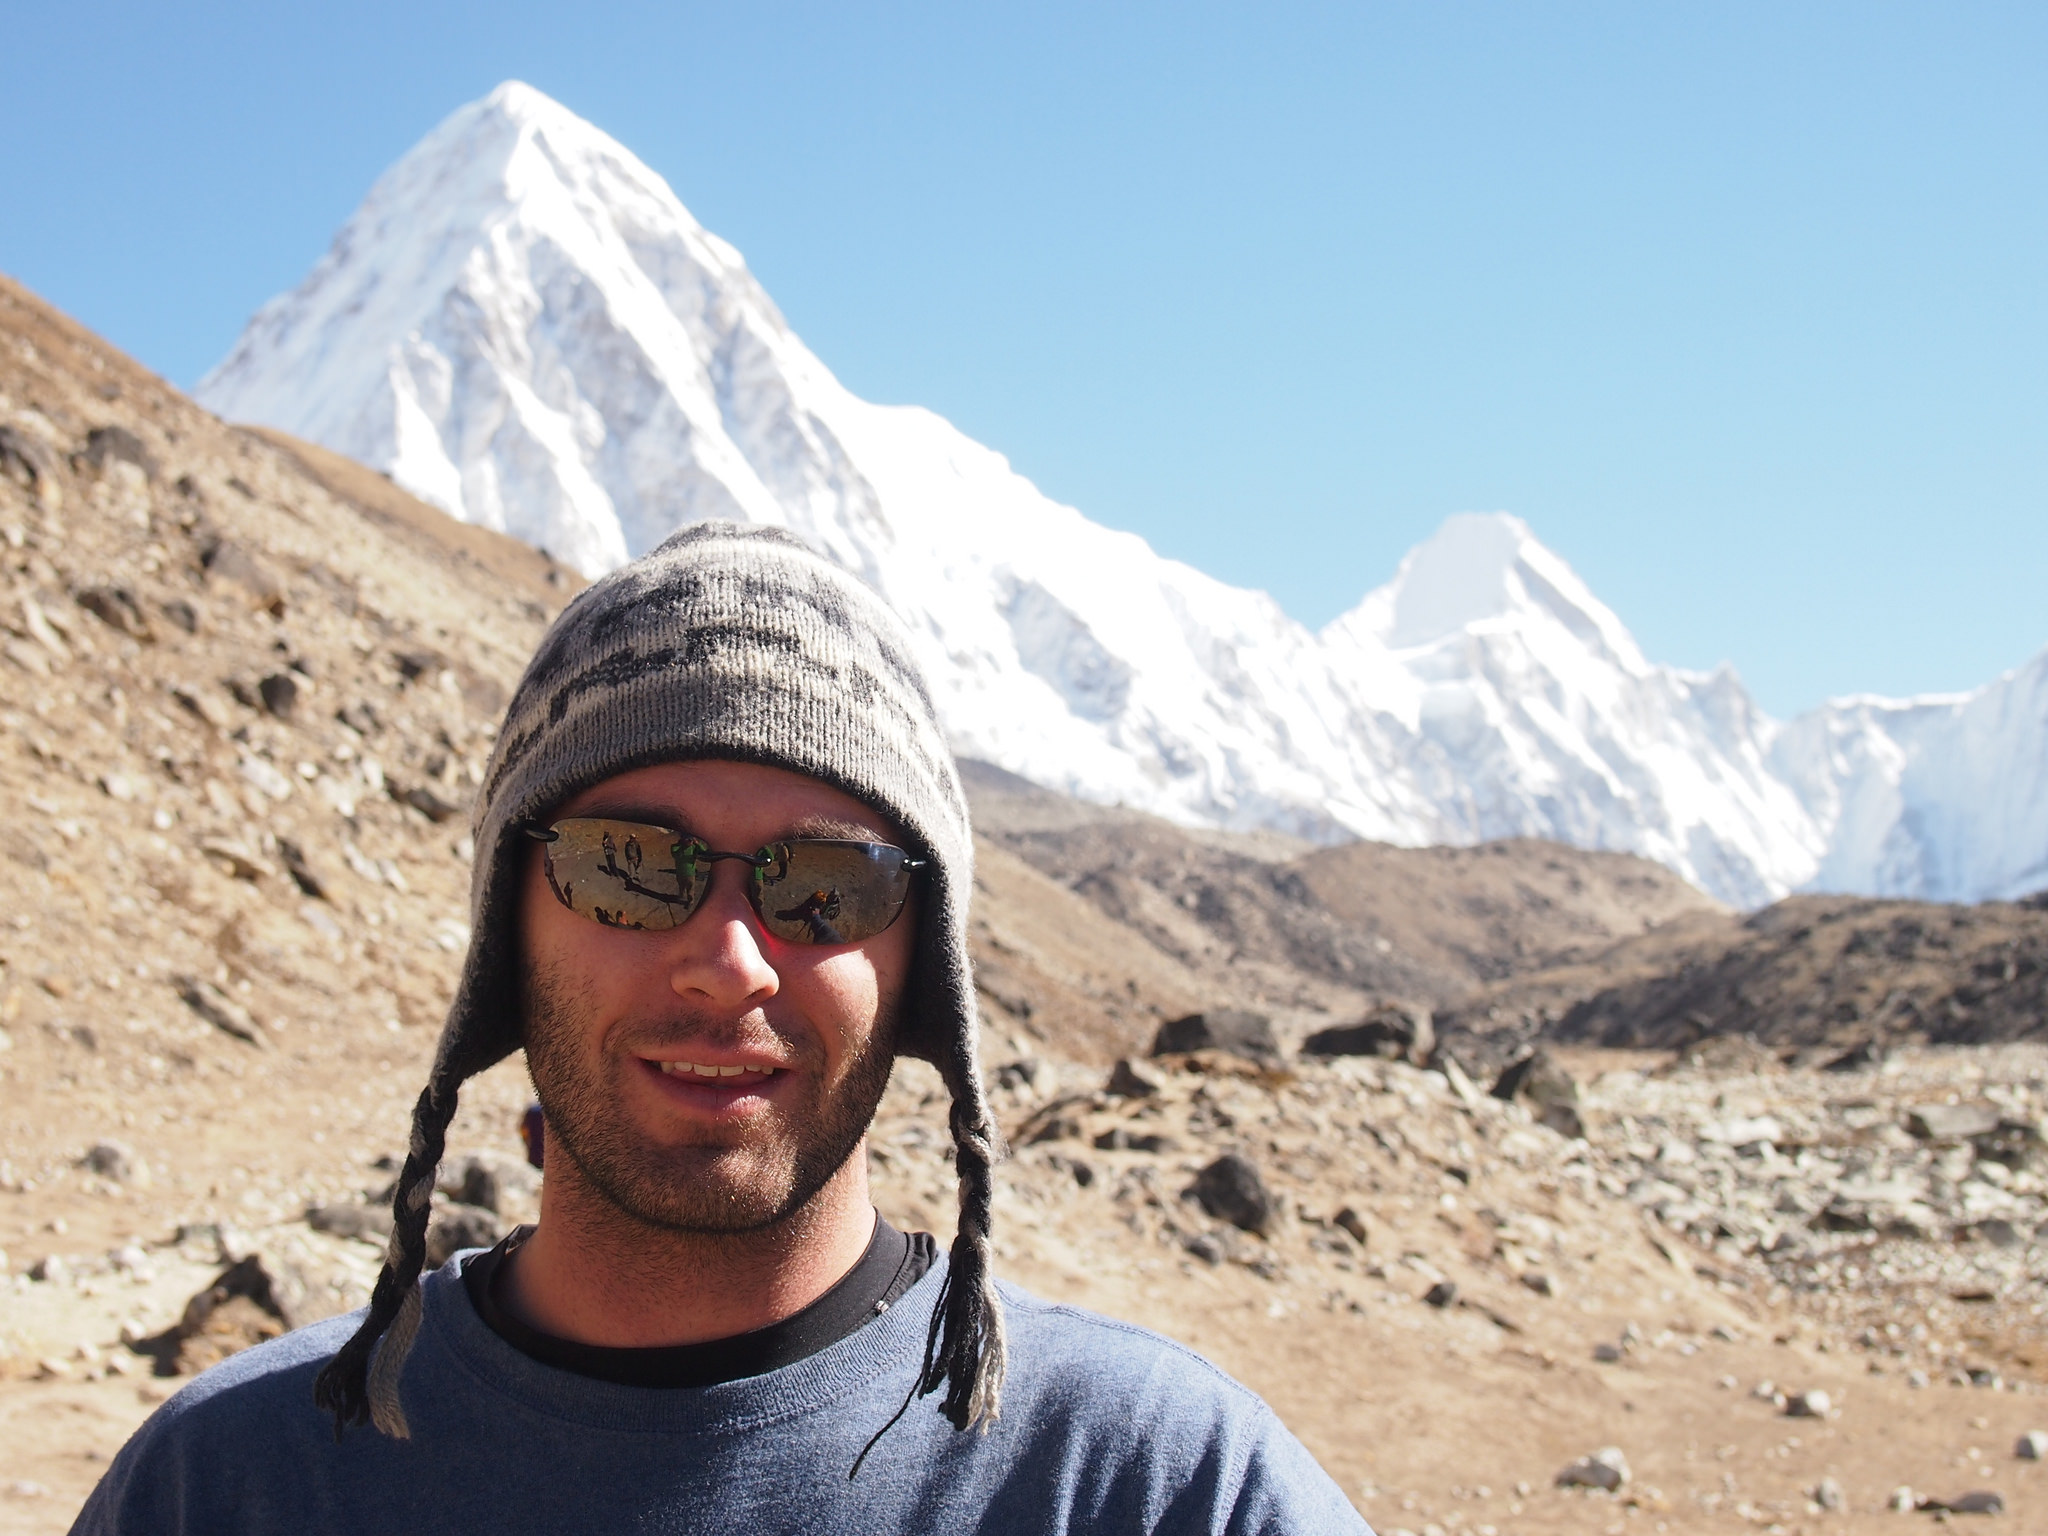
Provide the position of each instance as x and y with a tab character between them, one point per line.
1743	307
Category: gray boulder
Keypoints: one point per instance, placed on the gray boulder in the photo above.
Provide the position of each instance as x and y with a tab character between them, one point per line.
1606	1468
1551	1092
1395	1031
1231	1190
350	1218
1237	1031
456	1226
1133	1080
1951	1122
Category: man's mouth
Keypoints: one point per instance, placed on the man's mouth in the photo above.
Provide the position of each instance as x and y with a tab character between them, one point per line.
723	1074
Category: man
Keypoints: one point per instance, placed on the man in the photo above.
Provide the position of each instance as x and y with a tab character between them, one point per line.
723	865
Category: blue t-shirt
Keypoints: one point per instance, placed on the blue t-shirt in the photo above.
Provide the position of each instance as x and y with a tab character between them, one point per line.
1105	1427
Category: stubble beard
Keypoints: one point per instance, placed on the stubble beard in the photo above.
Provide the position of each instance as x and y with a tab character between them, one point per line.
743	1180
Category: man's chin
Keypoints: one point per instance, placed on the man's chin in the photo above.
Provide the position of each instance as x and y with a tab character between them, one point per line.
702	1189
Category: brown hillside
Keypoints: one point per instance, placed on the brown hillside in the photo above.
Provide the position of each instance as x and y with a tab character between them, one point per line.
1831	972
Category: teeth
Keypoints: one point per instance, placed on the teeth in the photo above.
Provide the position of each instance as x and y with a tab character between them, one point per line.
698	1069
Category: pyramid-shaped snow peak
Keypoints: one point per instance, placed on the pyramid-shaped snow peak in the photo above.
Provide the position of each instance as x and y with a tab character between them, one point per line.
523	324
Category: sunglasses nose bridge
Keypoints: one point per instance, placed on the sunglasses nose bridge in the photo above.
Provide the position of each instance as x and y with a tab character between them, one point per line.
750	883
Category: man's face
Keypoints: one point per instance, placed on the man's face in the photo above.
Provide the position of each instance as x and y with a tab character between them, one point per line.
617	1019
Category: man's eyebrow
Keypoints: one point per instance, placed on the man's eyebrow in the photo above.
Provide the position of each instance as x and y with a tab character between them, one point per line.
673	820
645	815
833	826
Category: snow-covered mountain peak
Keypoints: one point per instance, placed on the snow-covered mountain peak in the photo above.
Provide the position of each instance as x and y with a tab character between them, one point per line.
1486	572
523	324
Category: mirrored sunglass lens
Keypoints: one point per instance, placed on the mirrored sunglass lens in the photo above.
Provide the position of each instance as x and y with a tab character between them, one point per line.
624	874
831	892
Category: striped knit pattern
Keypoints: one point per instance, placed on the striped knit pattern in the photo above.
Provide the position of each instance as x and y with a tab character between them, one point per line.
742	644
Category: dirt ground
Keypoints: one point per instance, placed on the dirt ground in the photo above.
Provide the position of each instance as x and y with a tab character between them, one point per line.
1455	1418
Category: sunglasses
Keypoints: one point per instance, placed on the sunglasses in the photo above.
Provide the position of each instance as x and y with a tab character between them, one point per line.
806	890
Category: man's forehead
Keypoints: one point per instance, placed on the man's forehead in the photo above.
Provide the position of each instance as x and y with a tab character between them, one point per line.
700	795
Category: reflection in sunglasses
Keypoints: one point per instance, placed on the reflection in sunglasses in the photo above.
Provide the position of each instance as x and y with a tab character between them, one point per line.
815	911
851	890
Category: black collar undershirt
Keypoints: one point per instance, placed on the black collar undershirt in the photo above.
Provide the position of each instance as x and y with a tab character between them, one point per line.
893	1263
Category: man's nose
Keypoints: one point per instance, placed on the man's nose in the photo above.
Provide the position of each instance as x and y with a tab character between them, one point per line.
718	958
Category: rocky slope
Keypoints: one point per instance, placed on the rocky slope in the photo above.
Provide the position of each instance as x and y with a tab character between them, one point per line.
525	326
1813	977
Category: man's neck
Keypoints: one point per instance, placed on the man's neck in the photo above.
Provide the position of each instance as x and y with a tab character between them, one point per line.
593	1274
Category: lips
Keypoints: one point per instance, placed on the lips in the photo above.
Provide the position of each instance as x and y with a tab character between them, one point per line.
718	1088
726	1074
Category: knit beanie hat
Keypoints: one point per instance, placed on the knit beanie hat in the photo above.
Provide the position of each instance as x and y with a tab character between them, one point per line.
742	644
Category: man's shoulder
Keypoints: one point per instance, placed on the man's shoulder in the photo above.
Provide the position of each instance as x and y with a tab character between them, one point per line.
184	1467
1069	1346
1193	1448
255	1380
260	1393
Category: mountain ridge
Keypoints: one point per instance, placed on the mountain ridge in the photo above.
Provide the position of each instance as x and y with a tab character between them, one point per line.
525	326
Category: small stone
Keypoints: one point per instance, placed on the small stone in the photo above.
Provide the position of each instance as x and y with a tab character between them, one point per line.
116	607
280	694
2032	1446
1121	1139
1827	1493
1206	1247
473	1180
370	1223
23	1488
236	858
1442	1294
1916	1379
1951	1122
1810	1404
50	1270
1607	1354
1552	1092
1858	1058
1541	1284
1606	1468
458	1227
1054	1128
112	1160
1902	1501
1231	1190
1018	1075
1354	1224
293	857
1132	1080
218	1009
427	803
1979	1501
